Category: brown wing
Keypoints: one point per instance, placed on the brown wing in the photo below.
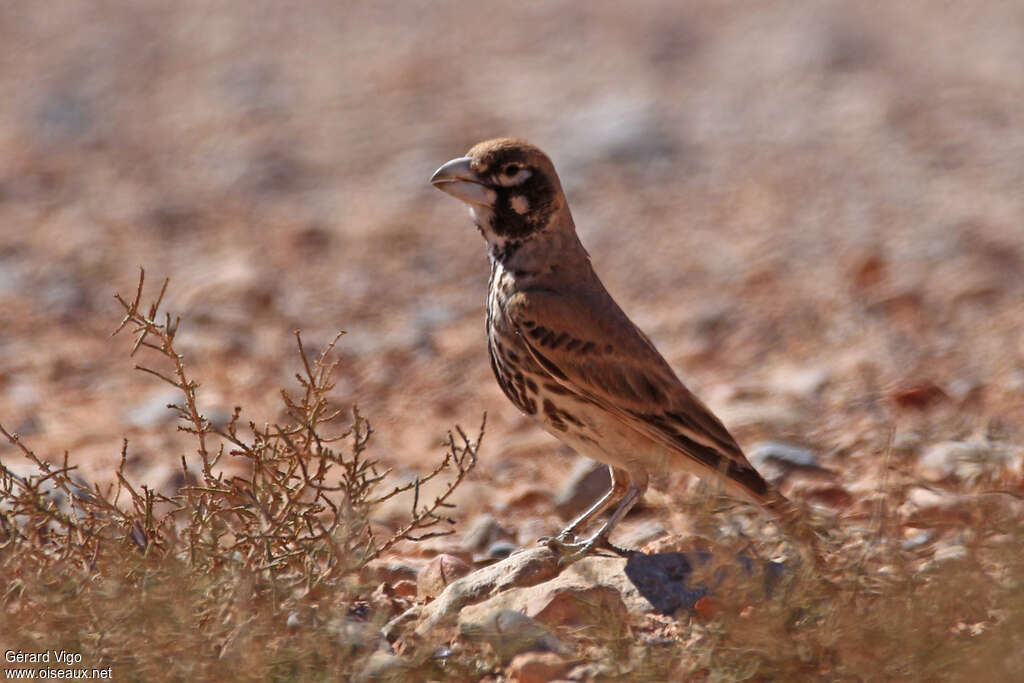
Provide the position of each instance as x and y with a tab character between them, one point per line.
595	351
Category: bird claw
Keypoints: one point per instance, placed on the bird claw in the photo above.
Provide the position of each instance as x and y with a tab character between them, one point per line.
564	538
570	550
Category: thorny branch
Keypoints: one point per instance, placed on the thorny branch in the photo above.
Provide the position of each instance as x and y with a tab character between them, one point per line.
302	512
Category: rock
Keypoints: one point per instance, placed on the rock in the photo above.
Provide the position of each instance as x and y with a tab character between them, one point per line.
29	426
667	581
355	635
529	529
597	592
153	410
916	394
385	601
709	324
829	495
775	460
383	666
867	269
786	454
775	415
601	592
591	593
22	392
625	127
524	568
509	632
312	241
706	608
22	472
916	540
293	622
663	579
63	293
389	571
500	550
162	476
800	381
961	459
906	442
438	574
406	589
217	417
403	624
637	536
966	390
484	532
925	508
594	671
1013	381
525	498
588	481
13	272
902	305
578	606
921	497
537	667
949	552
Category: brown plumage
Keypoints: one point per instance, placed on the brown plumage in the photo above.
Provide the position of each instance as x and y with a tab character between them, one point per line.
564	352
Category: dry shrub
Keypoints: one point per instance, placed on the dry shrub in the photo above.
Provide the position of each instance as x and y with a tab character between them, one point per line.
257	576
882	609
235	576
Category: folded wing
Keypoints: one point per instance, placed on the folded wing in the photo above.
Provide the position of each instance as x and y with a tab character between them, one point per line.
605	359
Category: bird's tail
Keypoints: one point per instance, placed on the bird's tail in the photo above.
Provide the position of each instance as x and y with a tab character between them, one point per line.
796	523
793	518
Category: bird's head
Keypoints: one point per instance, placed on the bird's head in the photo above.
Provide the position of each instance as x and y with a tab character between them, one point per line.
511	188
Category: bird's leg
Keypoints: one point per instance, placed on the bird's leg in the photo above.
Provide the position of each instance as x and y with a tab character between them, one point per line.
620	482
636	488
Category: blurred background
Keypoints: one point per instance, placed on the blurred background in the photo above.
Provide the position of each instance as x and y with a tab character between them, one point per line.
814	209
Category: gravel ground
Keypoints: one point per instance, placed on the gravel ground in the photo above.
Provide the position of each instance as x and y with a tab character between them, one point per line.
814	210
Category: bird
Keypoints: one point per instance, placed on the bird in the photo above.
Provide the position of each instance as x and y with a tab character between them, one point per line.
565	353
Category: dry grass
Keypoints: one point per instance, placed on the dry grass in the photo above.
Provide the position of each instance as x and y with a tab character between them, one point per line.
257	576
189	585
886	610
833	197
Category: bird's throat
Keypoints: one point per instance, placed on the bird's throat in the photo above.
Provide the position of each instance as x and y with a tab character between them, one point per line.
500	248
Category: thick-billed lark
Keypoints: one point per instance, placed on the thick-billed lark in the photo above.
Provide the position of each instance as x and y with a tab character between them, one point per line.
565	353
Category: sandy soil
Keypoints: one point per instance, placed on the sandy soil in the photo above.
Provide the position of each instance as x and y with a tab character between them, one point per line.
815	212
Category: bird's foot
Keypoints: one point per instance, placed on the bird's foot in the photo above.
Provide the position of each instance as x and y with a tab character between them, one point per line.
563	539
564	544
570	550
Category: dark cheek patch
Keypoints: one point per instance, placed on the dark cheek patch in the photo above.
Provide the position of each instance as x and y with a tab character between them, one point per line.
539	196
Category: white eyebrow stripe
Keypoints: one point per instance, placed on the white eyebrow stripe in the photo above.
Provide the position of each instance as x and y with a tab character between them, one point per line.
517	179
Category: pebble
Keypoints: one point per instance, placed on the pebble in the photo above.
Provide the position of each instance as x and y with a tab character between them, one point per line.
389	571
801	381
438	573
384	666
961	459
775	459
537	667
916	540
293	622
640	535
153	410
483	533
917	394
500	550
587	482
510	632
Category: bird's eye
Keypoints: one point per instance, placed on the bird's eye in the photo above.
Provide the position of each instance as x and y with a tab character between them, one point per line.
512	169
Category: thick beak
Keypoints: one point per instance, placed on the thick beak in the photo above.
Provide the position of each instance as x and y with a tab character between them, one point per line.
458	179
